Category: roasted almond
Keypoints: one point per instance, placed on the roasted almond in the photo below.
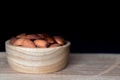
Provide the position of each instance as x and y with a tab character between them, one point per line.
59	40
21	36
12	40
32	36
37	40
54	45
28	43
41	43
43	36
18	42
50	40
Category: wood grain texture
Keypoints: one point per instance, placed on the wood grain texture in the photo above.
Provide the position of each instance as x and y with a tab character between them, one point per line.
80	67
37	60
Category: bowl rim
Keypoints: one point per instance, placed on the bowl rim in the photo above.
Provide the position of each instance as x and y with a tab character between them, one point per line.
66	45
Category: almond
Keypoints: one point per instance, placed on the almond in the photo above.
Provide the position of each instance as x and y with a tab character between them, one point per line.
50	40
54	45
43	36
18	42
12	40
37	40
41	43
28	43
32	36
21	36
59	40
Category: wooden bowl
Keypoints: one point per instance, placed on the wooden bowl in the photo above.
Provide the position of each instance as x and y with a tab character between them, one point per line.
37	60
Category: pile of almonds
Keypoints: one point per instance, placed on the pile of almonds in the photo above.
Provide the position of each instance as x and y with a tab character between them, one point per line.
37	40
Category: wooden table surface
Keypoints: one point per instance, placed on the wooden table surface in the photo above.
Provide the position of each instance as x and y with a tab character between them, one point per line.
81	67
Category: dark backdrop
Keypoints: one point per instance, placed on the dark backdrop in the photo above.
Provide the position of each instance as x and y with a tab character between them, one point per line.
89	29
83	39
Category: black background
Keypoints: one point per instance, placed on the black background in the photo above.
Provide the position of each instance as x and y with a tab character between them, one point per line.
90	30
83	39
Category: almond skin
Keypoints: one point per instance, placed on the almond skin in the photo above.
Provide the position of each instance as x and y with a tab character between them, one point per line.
28	43
32	36
18	42
37	40
12	40
59	40
50	40
54	45
41	43
43	36
21	35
